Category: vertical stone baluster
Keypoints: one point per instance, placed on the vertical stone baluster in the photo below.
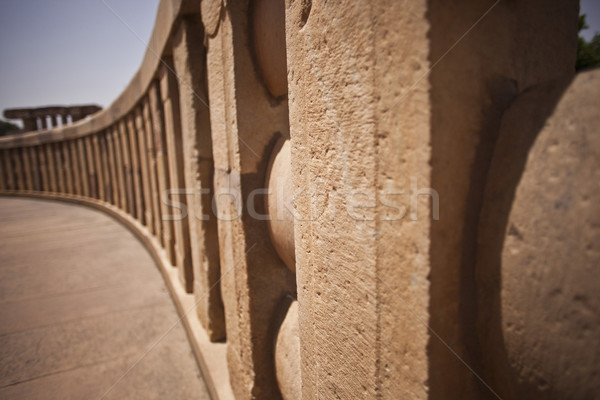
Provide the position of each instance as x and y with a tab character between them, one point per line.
30	168
84	166
43	180
67	167
59	162
135	167
145	178
119	167
245	119
189	60
35	167
4	174
26	158
152	170
61	168
106	174
18	170
75	168
7	163
127	170
90	160
51	168
112	165
170	97
99	166
162	169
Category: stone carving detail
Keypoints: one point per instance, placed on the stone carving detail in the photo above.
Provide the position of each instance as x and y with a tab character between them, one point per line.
287	355
484	287
280	187
211	15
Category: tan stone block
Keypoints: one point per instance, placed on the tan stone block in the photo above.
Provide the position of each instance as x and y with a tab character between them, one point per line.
61	168
169	91
18	168
538	244
83	162
362	273
135	168
6	174
268	43
152	170
471	87
280	185
189	60
26	164
120	169
91	166
112	163
106	166
75	167
245	124
44	168
35	168
102	163
53	185
96	150
287	355
162	168
211	15
130	198
144	177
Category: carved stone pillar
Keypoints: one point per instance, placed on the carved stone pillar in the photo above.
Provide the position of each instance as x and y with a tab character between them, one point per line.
189	58
162	168
246	120
172	119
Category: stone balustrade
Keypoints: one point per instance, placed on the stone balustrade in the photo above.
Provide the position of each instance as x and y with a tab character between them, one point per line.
43	118
385	200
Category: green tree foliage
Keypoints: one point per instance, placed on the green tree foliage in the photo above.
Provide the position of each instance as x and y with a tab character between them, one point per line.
6	128
588	53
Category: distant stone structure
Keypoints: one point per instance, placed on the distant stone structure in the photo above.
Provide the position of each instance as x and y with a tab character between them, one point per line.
432	228
43	118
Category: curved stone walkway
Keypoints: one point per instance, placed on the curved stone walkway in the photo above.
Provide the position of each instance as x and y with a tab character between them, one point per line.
81	301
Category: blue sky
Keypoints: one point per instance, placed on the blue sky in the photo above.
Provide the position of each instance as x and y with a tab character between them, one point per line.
78	51
592	9
70	51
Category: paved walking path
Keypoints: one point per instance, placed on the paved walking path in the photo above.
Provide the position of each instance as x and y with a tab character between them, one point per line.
81	302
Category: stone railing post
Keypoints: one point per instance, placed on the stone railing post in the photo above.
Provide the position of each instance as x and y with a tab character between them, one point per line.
112	164
125	152
27	165
51	185
119	169
162	168
82	162
136	169
246	120
7	173
172	122
189	64
36	179
152	169
147	193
